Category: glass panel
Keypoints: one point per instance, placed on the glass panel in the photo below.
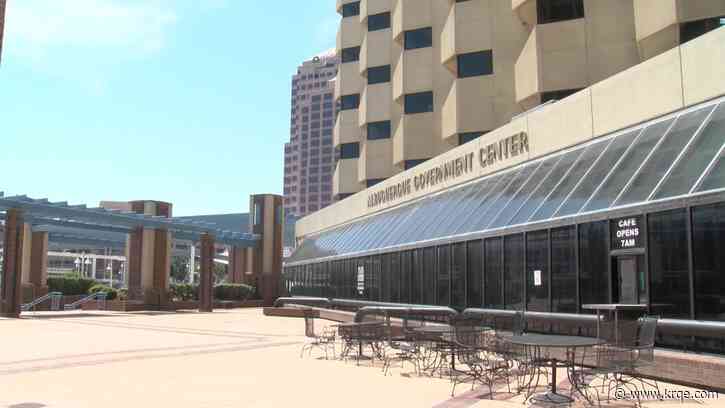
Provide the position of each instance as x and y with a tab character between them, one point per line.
597	173
699	155
429	273
563	270
455	211
474	271
481	191
663	157
716	178
483	200
569	181
593	254
483	212
433	208
708	234
458	276
525	193
627	166
493	273
537	271
547	185
513	188
441	221
408	232
385	284
398	223
444	275
514	272
668	265
524	187
395	277
406	264
416	277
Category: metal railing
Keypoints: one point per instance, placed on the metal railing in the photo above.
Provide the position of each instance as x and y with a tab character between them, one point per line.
54	298
100	297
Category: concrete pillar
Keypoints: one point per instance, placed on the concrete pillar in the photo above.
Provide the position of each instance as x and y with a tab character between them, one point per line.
238	266
11	288
38	279
267	220
206	274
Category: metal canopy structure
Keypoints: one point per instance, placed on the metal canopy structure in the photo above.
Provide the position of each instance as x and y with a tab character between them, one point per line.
679	156
41	213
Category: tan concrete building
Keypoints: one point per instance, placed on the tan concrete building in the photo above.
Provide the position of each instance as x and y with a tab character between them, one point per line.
419	77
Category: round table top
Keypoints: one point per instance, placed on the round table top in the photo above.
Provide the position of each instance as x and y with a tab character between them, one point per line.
552	340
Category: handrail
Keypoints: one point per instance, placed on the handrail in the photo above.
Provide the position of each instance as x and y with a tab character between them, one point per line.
100	296
405	311
54	297
302	300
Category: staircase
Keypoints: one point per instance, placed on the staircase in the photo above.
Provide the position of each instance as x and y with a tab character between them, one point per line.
54	298
100	297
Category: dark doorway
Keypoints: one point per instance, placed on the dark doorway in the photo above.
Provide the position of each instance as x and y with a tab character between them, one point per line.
628	279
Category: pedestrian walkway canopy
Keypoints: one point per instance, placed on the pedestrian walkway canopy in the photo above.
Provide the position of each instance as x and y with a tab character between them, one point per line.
674	157
65	221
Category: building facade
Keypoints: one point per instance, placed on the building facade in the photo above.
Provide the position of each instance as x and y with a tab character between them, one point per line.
309	155
2	25
615	193
419	77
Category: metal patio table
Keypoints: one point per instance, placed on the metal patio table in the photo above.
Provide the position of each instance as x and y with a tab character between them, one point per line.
356	326
617	310
539	342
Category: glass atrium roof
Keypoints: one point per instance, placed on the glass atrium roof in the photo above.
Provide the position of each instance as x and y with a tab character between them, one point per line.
677	156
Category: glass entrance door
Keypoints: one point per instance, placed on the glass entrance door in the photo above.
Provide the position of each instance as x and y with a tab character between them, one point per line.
629	279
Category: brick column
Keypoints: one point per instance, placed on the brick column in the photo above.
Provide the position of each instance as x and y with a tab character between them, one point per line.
11	289
267	221
39	264
237	264
134	264
206	274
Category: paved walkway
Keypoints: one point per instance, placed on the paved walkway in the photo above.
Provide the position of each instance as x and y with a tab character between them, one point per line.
234	358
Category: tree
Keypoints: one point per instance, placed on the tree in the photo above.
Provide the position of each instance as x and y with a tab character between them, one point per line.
179	270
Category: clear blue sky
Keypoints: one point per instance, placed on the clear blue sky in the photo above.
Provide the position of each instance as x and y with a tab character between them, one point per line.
184	101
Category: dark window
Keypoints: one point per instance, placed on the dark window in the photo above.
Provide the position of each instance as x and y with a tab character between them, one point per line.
492	275
420	38
379	130
563	270
378	75
351	54
348	102
458	276
693	29
351	9
537	271
379	21
416	277
394	277
371	182
406	265
418	103
409	164
474	271
464	138
475	64
668	265
343	196
514	271
444	276
551	11
708	235
429	276
593	254
557	95
350	150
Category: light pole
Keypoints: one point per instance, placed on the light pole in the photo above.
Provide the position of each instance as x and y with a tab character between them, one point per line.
109	269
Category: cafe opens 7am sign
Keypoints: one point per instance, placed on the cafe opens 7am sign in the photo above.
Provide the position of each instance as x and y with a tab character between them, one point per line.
627	233
488	155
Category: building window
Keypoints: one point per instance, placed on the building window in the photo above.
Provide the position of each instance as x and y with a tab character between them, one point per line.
351	54
474	272
557	95
378	75
514	272
418	103
693	29
444	276
537	271
708	234
349	102
563	270
668	264
475	64
409	164
351	9
593	253
458	275
493	260
350	150
371	182
464	138
551	11
379	130
420	38
343	196
429	275
379	21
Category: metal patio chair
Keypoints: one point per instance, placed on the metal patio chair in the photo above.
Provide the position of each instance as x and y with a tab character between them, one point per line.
323	341
401	348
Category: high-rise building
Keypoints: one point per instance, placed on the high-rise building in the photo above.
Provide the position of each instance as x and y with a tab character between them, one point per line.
2	25
309	156
420	77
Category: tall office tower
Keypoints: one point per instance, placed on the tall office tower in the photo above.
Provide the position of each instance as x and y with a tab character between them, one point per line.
2	25
419	77
309	156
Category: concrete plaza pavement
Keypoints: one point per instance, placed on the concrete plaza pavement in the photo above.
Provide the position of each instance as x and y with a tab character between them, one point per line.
236	358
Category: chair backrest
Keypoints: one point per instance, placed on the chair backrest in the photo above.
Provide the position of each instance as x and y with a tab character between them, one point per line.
647	331
467	332
310	326
518	324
